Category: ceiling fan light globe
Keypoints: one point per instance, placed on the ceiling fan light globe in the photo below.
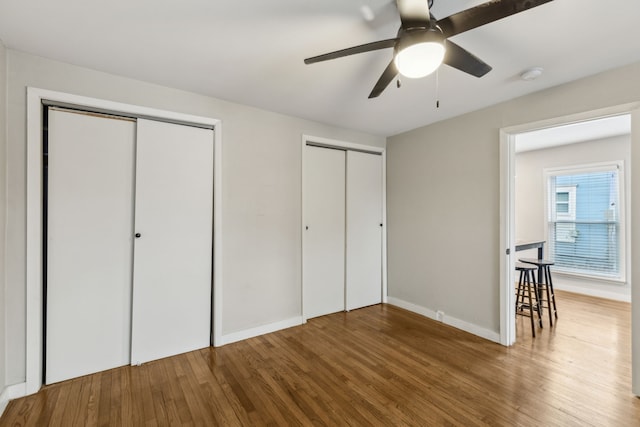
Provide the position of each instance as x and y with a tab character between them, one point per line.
419	53
420	59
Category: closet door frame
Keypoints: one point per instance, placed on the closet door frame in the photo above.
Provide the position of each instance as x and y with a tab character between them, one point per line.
344	145
36	99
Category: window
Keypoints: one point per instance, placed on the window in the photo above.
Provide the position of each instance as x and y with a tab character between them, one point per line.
585	230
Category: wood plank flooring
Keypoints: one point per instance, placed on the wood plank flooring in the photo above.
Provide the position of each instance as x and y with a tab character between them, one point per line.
379	365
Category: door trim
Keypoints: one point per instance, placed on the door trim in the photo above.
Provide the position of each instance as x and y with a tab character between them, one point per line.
34	317
507	218
343	145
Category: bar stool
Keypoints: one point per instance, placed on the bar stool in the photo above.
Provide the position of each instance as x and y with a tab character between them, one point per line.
544	283
524	285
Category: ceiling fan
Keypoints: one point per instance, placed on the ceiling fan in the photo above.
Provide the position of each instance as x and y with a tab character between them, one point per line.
422	44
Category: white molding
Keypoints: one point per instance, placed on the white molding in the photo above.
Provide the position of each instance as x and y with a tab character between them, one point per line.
217	235
34	336
572	118
448	320
4	400
423	311
35	97
507	238
634	249
592	292
385	287
11	392
261	330
303	160
136	110
341	144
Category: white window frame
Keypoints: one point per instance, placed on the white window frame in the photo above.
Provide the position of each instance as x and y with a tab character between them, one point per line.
622	211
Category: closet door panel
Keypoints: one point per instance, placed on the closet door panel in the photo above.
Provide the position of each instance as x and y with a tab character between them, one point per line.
173	255
323	250
364	233
89	244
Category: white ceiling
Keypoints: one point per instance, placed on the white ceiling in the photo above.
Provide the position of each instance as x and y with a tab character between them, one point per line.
252	51
573	133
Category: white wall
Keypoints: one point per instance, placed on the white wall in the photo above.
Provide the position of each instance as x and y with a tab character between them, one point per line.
530	195
443	199
3	210
261	192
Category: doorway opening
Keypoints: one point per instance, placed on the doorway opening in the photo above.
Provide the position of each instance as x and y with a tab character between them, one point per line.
572	192
542	205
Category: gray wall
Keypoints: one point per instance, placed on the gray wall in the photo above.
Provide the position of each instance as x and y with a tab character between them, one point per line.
530	204
3	209
443	200
443	185
261	192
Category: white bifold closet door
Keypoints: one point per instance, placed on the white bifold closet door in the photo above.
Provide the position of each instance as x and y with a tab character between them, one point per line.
364	230
172	260
324	238
89	243
113	299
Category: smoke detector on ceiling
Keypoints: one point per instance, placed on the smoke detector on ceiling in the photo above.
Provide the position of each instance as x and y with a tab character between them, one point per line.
531	73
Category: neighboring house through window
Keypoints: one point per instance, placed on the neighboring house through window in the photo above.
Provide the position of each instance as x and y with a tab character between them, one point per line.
585	227
565	205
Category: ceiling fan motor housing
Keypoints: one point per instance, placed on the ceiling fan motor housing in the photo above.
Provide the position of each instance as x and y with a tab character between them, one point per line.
407	38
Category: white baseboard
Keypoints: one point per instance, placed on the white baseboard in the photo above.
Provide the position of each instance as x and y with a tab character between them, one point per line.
447	320
592	292
261	330
11	392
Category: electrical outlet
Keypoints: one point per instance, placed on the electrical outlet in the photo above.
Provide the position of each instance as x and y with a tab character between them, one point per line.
440	316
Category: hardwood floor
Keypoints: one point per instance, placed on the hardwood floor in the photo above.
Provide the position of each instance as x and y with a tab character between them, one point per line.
379	365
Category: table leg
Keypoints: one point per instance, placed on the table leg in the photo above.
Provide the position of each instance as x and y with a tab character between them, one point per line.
538	282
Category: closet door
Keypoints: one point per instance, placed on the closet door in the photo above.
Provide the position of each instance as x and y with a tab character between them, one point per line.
324	222
89	243
173	253
364	231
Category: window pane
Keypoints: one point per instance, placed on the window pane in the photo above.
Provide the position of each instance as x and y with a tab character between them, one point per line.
562	207
584	232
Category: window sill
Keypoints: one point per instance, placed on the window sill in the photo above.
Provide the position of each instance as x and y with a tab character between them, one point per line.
616	281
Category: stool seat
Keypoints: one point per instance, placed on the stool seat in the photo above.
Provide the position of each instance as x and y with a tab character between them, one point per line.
535	261
521	266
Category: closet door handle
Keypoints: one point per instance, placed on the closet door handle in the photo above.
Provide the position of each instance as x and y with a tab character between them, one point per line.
138	235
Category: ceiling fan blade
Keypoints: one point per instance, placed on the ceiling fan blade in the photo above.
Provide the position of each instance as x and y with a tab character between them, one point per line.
485	13
463	60
414	13
367	47
387	76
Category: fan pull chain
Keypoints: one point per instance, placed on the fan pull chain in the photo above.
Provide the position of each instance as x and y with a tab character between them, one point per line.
437	88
